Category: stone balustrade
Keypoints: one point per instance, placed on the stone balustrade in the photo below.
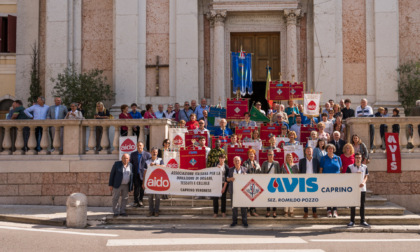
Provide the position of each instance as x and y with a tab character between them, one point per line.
408	131
70	136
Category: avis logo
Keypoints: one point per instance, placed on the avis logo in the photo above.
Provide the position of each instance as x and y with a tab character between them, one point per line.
172	163
128	146
252	190
158	181
311	105
290	184
178	140
295	158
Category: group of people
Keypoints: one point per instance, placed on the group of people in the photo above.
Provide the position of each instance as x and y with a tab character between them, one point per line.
332	154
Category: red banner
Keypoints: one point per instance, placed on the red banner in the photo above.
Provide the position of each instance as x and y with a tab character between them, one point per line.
244	133
234	151
192	159
278	156
235	109
223	140
266	130
393	154
305	132
190	136
283	91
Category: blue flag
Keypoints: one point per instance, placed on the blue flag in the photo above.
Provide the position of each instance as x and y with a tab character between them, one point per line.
242	72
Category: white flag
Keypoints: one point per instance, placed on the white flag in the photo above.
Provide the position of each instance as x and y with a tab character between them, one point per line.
295	150
311	104
171	159
177	137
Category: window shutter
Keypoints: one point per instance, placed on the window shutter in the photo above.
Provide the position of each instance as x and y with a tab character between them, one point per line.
2	35
11	34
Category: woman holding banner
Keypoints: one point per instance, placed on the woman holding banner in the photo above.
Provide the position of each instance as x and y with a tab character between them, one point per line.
331	163
271	167
252	167
224	168
289	168
292	136
192	124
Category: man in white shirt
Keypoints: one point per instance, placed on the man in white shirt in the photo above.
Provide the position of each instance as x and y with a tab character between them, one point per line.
358	167
201	129
364	110
202	145
160	114
258	106
169	113
309	165
236	169
203	106
39	111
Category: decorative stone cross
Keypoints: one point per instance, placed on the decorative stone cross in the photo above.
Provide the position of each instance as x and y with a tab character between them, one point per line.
157	66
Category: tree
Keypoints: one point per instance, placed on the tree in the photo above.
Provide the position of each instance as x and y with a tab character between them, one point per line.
409	85
86	88
35	89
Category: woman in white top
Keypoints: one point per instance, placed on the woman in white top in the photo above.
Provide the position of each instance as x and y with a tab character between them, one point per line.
74	113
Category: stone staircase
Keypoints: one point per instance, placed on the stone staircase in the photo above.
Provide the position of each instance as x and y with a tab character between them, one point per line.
187	210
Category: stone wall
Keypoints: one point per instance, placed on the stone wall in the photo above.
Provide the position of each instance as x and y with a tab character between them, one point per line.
409	26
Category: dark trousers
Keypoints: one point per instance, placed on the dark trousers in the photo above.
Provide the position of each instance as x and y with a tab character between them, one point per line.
136	131
235	215
26	133
333	208
306	210
274	209
138	189
216	203
38	135
123	132
99	131
362	209
372	134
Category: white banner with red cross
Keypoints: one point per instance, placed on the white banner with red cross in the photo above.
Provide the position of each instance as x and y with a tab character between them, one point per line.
171	159
311	104
177	137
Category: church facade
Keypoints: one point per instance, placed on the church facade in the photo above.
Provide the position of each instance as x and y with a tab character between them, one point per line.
167	51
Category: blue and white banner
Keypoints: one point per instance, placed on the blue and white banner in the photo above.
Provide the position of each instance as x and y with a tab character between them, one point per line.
296	190
242	72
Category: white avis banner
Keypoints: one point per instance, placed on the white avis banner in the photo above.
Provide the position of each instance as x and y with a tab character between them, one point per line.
177	137
295	150
296	190
127	145
311	104
171	159
163	180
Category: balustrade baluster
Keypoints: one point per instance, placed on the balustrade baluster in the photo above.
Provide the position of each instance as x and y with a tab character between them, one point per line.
416	138
92	140
45	141
7	141
19	142
105	140
377	141
32	141
130	130
403	138
141	134
116	142
57	140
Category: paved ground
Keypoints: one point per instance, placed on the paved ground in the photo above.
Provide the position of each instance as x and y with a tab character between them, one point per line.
27	237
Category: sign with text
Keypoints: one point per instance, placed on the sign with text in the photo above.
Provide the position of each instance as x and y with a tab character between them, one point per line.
296	190
305	132
295	150
235	109
245	133
163	180
190	136
283	91
255	145
266	131
223	140
236	151
127	145
217	112
393	153
192	159
177	137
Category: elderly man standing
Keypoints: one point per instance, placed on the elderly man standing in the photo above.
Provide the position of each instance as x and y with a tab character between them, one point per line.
237	169
39	111
160	113
139	161
203	106
57	112
185	113
120	183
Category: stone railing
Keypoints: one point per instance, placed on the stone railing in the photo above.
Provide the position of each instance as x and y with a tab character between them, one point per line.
408	131
75	137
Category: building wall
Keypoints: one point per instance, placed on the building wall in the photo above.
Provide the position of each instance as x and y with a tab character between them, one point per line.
7	60
409	23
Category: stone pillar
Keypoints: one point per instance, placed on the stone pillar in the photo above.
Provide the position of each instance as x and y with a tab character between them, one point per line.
219	56
26	36
126	65
291	55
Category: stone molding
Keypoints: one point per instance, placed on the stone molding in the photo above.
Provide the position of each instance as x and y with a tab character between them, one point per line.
292	16
217	17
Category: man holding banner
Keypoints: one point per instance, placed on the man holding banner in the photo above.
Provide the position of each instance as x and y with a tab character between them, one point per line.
153	204
138	160
237	169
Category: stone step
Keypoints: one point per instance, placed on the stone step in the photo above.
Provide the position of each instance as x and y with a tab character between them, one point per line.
191	202
387	209
407	219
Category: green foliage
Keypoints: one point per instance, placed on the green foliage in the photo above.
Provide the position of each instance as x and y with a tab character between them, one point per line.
85	88
35	89
409	85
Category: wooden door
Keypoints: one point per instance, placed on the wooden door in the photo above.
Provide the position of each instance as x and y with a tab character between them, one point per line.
265	48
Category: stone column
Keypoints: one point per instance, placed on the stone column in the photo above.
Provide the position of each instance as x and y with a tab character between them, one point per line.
219	56
291	55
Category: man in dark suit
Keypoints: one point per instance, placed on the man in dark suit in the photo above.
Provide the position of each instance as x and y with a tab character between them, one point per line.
57	112
237	169
138	160
120	183
309	165
338	143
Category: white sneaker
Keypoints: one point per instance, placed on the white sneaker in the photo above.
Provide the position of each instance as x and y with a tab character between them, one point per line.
335	214
329	214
